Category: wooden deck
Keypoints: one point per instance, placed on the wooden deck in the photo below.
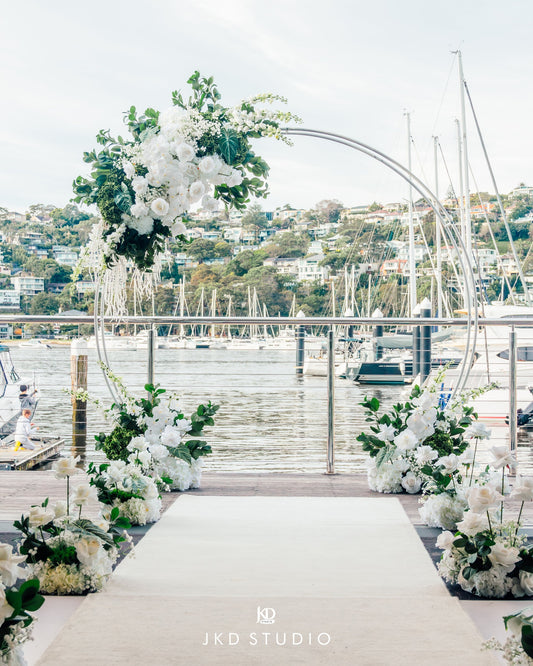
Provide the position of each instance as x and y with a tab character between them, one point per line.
25	459
20	489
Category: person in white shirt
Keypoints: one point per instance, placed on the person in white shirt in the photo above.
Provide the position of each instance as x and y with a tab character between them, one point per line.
24	431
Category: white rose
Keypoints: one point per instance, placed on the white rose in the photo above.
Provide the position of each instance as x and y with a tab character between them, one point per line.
472	523
445	540
83	493
523	490
526	582
5	609
406	440
411	483
178	229
184	152
87	550
129	169
425	454
386	432
504	557
502	457
514	624
139	185
478	430
234	179
38	516
209	203
137	444
159	206
9	569
65	467
196	191
60	509
144	457
450	463
207	165
467	457
481	499
170	436
139	209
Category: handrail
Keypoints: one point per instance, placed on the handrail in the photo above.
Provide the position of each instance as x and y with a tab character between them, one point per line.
274	321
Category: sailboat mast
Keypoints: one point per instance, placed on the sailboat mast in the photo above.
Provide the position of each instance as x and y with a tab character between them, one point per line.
438	248
412	263
466	180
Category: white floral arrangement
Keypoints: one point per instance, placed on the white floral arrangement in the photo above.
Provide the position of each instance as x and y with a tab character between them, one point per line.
414	440
154	434
68	553
195	152
19	598
123	485
488	556
517	649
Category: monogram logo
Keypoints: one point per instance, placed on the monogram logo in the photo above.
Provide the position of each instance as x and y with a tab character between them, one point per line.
265	615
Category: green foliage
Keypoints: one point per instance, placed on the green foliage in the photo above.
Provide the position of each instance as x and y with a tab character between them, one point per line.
115	444
24	599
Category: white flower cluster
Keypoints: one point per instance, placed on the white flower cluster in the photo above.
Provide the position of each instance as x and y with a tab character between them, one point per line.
168	174
443	510
485	516
512	651
10	573
129	478
164	431
89	575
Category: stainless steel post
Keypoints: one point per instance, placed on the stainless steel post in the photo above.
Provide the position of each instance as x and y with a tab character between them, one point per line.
513	425
300	349
151	350
331	402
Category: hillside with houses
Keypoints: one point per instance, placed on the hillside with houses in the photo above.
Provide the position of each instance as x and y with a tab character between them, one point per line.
270	261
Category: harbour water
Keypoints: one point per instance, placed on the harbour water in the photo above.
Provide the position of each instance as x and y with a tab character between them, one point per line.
269	419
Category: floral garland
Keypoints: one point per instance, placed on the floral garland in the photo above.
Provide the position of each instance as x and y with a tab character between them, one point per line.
18	599
488	556
154	434
196	151
123	485
70	554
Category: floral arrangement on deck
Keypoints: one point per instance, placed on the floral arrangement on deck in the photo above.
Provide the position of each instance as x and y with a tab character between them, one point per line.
154	434
19	597
68	553
422	446
196	151
488	556
124	486
518	647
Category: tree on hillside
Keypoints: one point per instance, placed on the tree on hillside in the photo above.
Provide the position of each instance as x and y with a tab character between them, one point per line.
288	244
329	210
254	219
245	261
201	249
44	303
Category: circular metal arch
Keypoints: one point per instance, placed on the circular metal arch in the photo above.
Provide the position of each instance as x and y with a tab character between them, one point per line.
447	225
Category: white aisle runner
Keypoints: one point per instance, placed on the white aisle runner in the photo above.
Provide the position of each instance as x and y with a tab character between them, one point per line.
226	580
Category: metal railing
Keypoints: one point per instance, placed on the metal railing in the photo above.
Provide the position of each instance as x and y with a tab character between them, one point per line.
328	322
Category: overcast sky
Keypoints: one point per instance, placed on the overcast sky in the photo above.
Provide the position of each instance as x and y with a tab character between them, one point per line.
69	69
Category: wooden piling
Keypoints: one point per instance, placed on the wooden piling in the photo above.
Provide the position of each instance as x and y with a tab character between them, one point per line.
78	377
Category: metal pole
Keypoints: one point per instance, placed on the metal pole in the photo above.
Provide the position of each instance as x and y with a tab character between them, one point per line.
425	342
467	215
438	232
331	402
78	378
416	345
151	350
300	349
412	262
513	425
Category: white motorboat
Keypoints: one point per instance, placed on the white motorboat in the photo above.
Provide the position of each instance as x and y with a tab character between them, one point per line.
113	342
